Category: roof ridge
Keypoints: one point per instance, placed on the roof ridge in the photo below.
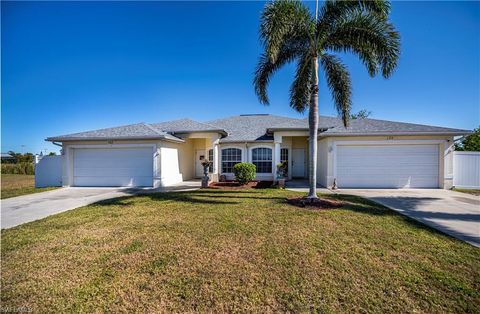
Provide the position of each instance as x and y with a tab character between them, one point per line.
153	129
181	119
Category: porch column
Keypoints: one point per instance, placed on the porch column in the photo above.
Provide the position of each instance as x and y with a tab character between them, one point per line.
276	155
448	149
216	159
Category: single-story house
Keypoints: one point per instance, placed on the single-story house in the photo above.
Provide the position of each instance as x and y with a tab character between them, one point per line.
369	153
7	158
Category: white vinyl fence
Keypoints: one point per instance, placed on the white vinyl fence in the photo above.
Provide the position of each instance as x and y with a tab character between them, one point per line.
466	170
48	171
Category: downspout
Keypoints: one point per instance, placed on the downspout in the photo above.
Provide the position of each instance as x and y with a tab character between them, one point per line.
60	145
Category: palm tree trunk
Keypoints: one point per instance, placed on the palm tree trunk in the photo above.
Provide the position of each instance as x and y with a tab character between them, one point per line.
313	127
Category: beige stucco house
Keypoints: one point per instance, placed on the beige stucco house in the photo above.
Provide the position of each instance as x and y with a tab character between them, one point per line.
368	154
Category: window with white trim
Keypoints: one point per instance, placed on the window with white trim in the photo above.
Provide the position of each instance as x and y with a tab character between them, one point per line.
284	158
262	159
210	158
230	157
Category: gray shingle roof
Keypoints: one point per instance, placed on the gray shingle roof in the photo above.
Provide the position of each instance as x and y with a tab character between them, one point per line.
334	126
245	128
384	127
259	127
132	131
186	125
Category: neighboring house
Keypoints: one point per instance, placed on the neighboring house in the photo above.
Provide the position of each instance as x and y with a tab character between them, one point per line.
369	153
7	158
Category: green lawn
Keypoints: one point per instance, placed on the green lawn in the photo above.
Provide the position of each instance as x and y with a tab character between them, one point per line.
468	191
235	251
19	184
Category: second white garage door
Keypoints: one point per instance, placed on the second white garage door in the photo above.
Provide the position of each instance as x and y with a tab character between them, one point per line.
113	166
387	166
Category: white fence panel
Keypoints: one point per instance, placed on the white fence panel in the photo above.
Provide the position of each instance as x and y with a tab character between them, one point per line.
48	171
466	170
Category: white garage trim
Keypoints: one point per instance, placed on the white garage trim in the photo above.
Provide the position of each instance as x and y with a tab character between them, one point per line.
149	181
433	181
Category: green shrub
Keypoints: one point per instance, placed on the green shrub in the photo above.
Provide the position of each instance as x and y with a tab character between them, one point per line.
20	168
244	172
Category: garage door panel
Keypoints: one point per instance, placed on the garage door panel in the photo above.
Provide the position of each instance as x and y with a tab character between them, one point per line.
113	166
384	172
113	181
387	166
110	163
102	172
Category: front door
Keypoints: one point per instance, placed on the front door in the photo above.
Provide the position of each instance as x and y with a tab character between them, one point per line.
298	163
199	157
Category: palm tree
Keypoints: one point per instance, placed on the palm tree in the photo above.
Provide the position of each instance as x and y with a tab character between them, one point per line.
290	33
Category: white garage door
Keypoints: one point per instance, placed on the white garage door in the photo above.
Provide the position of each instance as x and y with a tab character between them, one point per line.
113	166
387	166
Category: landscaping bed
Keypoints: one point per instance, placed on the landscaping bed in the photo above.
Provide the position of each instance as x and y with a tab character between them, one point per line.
318	203
234	185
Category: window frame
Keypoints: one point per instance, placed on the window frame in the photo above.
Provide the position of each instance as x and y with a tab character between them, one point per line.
222	161
270	161
285	160
210	158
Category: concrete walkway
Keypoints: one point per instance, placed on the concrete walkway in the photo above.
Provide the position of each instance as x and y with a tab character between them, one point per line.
454	213
19	210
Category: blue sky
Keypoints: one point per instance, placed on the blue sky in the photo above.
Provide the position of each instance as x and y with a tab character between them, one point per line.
72	66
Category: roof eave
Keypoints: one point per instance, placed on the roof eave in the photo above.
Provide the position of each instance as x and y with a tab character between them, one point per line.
223	132
246	141
120	138
270	130
453	133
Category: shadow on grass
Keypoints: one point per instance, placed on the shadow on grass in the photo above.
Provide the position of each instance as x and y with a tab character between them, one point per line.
205	196
351	203
193	197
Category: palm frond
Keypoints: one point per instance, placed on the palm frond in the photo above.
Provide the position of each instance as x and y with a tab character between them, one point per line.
338	80
283	22
266	68
300	89
332	10
373	39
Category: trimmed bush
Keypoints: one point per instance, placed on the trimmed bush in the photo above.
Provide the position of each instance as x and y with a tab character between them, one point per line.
20	168
244	172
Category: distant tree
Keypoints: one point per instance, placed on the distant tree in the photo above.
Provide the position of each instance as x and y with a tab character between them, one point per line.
362	114
470	143
52	154
19	157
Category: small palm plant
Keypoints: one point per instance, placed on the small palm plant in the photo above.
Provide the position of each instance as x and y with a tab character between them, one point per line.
290	33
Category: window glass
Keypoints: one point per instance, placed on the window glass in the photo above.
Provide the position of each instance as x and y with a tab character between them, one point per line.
230	157
210	158
262	159
284	158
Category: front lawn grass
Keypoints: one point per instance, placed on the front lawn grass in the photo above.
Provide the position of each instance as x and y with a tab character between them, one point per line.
468	191
235	251
19	184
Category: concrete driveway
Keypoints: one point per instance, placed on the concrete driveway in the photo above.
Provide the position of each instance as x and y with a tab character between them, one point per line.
454	213
22	209
19	210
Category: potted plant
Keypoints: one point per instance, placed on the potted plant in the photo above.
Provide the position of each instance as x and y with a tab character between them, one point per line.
281	174
205	164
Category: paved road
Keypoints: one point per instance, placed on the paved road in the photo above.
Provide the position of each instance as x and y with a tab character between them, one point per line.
18	210
454	213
